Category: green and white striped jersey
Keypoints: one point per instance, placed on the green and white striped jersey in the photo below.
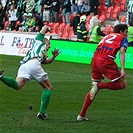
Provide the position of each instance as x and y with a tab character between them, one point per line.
130	6
38	50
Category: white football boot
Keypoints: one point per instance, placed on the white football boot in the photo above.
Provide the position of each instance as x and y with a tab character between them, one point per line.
94	90
80	118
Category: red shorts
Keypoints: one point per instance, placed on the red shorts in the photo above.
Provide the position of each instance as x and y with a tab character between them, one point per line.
106	67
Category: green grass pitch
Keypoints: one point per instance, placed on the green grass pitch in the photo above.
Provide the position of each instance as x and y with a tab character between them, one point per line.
111	111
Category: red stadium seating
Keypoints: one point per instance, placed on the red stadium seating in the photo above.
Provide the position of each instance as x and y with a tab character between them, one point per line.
71	17
107	15
64	34
102	18
53	29
102	1
6	24
51	24
108	29
113	15
17	23
70	33
123	19
122	6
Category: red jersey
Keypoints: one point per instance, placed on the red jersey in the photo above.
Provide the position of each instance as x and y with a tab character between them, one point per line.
110	45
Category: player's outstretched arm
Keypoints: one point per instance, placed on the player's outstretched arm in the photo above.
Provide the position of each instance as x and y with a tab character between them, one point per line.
122	61
55	53
45	29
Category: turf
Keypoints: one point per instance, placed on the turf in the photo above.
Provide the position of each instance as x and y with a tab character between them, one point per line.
111	111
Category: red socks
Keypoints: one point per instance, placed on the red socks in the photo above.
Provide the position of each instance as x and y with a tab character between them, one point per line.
86	104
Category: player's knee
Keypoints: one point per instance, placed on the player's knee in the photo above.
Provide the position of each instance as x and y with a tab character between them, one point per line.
18	88
123	84
49	87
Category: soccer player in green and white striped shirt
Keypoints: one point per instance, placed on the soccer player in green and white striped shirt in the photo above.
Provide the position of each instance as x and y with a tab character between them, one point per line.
130	10
31	69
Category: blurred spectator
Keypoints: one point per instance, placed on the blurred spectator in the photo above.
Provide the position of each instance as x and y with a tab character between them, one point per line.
130	11
130	34
85	10
72	6
2	17
38	24
30	21
55	8
12	17
21	10
79	5
94	6
81	29
4	4
30	5
93	22
74	22
46	10
108	3
66	10
23	26
118	20
97	33
14	3
37	6
40	11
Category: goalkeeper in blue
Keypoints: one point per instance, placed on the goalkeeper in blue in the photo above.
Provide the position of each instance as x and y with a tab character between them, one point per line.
31	68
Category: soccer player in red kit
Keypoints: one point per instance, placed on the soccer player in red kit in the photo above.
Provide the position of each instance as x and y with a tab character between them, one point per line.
103	65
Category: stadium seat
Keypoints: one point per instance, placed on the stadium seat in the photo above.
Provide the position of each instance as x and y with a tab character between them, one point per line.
51	24
122	6
100	13
113	15
88	18
17	23
108	29
102	7
70	33
71	17
64	34
110	9
53	29
115	4
102	1
117	9
6	24
87	26
60	18
67	26
107	15
123	19
60	28
102	18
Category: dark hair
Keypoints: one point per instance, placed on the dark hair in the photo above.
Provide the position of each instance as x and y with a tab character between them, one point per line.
120	27
130	23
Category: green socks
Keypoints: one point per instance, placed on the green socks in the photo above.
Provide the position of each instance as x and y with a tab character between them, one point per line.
45	98
10	82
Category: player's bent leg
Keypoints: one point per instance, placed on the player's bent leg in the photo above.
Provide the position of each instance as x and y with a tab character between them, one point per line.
123	83
21	83
116	85
10	82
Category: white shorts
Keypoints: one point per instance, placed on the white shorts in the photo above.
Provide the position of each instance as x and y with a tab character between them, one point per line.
32	70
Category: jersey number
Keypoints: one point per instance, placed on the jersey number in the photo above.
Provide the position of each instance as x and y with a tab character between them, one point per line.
109	40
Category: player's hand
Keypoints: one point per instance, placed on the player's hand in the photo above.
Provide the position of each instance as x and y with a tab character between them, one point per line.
123	74
55	52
